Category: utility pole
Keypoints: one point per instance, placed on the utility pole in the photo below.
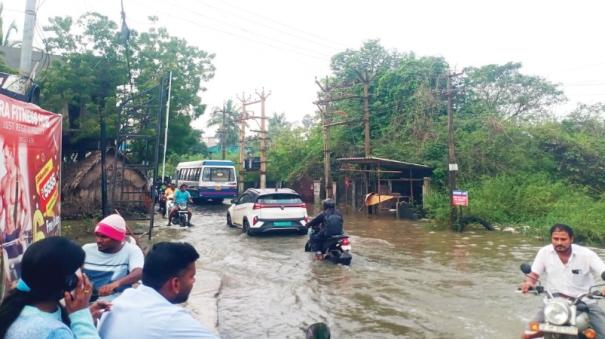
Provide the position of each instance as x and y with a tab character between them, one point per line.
366	114
242	138
263	140
166	130
223	134
323	105
25	66
366	78
451	147
325	120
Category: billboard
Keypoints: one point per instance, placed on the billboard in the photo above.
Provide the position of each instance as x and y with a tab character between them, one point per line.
30	167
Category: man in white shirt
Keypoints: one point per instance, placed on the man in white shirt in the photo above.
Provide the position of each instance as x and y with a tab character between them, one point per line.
570	270
149	311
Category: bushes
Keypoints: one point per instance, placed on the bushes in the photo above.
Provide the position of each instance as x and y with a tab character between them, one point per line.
534	200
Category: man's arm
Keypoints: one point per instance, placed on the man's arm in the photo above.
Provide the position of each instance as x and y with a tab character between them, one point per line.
136	260
132	277
537	268
530	281
316	221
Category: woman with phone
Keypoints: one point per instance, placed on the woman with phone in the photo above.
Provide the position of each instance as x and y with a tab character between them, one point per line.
50	271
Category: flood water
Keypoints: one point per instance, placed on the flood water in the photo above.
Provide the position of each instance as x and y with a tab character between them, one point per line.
405	281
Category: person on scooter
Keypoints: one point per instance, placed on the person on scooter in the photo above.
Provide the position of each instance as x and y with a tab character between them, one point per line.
570	270
182	196
167	195
329	222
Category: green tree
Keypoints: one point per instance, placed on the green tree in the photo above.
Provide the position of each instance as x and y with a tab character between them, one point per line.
94	77
504	91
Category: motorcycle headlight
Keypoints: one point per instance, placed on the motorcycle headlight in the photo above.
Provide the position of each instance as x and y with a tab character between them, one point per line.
556	313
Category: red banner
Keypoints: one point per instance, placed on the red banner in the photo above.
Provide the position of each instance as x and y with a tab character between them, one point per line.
460	198
30	167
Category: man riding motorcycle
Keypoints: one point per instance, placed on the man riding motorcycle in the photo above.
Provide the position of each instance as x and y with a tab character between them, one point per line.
330	223
569	270
181	196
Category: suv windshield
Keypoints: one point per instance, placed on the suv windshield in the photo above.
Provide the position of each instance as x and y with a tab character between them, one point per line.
279	198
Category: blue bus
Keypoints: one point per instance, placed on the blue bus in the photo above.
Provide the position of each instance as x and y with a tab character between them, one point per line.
208	179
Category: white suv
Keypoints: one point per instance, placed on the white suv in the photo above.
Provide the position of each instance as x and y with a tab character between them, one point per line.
262	210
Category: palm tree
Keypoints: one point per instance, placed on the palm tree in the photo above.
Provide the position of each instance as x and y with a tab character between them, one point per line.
229	132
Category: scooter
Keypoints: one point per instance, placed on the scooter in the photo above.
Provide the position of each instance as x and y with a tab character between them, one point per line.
565	316
182	216
336	249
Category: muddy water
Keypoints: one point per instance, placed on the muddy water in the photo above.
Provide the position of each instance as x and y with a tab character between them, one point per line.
405	281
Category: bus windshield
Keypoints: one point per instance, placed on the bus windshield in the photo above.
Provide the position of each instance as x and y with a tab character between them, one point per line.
217	174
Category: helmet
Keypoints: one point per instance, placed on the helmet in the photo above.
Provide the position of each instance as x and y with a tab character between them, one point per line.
329	203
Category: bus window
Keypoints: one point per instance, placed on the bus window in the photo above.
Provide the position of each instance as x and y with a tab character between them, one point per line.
218	174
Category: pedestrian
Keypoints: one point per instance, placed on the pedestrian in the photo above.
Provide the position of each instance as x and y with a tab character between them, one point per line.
112	264
49	273
149	310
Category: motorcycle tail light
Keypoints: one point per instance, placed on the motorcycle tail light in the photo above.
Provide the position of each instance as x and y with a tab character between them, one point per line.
345	241
534	326
589	333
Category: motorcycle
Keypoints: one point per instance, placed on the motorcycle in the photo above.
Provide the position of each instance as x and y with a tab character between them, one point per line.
182	215
336	249
564	316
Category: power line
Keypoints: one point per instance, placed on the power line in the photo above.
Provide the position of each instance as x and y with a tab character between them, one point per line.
254	35
315	39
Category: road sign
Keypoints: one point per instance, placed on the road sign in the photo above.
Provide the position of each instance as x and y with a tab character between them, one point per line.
459	198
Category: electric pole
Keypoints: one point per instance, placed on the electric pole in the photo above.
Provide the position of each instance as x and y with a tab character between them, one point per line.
242	138
326	97
263	140
221	131
366	114
25	66
451	147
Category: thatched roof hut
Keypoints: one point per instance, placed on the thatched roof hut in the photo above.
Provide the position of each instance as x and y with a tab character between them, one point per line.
81	186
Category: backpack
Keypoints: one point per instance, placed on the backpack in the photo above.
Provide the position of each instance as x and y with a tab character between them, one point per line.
333	224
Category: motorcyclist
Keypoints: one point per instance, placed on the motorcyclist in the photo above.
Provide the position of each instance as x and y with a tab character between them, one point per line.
181	196
167	195
569	270
329	222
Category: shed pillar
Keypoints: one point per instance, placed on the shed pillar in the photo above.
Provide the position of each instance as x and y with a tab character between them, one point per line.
426	188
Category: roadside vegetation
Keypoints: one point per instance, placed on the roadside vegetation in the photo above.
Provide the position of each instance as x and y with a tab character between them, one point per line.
524	166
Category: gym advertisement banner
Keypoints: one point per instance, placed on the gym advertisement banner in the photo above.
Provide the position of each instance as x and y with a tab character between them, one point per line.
30	160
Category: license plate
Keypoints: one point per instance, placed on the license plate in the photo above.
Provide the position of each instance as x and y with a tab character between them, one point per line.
282	223
346	247
559	329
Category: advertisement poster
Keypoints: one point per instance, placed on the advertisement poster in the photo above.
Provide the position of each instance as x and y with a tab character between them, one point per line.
30	160
460	198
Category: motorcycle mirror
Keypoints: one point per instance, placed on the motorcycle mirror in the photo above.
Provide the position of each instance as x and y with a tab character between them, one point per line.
526	268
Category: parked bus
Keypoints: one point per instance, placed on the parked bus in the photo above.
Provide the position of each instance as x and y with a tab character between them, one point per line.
208	179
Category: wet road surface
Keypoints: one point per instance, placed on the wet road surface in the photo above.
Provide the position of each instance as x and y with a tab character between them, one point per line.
405	281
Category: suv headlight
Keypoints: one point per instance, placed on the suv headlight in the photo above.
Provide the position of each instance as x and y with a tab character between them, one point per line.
556	312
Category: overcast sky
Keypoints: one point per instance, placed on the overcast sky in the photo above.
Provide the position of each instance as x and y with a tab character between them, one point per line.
283	45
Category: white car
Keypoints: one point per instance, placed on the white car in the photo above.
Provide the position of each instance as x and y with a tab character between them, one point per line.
263	210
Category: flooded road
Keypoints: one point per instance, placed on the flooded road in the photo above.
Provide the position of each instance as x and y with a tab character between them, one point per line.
405	281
